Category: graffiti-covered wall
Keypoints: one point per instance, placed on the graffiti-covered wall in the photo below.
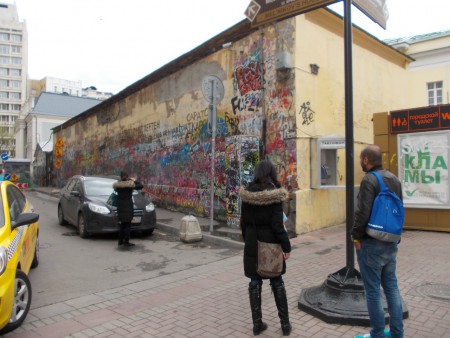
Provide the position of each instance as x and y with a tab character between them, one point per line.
162	133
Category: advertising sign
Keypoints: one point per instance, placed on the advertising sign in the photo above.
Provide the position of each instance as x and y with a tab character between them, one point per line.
423	169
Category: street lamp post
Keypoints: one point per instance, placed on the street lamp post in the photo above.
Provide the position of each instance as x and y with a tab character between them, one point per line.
213	91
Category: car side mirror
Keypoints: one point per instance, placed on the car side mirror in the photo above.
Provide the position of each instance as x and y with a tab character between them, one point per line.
75	193
24	219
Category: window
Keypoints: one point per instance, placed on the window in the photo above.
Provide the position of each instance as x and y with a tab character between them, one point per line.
4	71
15	107
4	49
15	96
16	37
3	95
3	83
4	106
434	93
16	49
16	61
4	37
15	84
4	60
4	118
16	72
16	201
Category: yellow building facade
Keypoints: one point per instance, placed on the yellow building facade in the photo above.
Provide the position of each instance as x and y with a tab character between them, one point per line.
283	100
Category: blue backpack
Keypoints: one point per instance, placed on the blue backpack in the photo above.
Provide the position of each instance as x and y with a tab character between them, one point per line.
387	216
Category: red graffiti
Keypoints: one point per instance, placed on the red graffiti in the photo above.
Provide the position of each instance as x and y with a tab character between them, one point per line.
249	78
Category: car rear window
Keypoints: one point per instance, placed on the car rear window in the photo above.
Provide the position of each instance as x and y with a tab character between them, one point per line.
98	187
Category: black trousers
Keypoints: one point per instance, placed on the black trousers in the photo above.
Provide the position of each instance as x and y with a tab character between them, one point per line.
124	231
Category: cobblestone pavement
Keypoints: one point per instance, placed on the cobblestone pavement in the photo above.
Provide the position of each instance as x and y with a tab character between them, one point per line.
211	300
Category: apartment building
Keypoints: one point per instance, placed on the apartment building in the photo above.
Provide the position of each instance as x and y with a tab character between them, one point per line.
13	73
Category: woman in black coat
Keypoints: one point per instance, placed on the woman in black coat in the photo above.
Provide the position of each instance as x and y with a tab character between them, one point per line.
124	188
262	219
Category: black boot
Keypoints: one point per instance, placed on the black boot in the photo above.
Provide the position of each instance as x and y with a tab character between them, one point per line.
279	293
126	241
254	293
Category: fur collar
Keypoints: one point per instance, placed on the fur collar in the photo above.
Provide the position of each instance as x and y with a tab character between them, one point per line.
123	184
264	197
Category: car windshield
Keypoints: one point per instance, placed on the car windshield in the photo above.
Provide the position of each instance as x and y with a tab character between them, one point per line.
98	187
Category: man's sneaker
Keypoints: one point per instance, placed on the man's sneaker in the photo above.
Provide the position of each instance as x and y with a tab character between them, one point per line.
387	334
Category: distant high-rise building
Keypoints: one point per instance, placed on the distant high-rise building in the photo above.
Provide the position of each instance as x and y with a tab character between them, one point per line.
13	73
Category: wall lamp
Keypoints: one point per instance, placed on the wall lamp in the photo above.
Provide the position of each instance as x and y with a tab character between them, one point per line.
314	68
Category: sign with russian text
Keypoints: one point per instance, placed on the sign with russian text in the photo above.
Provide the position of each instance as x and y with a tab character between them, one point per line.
423	169
420	119
260	12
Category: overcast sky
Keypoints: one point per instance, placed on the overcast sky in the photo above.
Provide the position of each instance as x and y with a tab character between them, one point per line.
111	44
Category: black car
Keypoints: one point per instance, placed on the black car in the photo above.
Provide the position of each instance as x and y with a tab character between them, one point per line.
85	201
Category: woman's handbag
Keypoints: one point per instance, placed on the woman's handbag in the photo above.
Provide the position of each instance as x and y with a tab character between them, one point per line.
270	260
113	199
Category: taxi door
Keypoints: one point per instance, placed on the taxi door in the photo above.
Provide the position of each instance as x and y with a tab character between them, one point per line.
17	205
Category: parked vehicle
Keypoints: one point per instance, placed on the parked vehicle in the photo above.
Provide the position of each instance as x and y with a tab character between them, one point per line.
85	201
19	252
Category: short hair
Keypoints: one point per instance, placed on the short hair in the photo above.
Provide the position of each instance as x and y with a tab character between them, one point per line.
123	174
373	154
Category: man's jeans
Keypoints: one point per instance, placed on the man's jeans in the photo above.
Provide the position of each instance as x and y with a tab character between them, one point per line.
377	263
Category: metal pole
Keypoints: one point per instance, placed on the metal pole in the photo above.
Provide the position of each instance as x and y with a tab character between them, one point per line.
349	141
212	107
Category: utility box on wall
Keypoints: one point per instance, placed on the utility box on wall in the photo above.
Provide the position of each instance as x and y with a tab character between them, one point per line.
328	151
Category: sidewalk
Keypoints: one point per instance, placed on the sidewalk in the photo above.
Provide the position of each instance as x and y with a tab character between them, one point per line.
211	300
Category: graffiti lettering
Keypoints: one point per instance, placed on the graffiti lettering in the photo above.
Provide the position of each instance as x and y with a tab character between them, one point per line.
249	77
306	113
195	116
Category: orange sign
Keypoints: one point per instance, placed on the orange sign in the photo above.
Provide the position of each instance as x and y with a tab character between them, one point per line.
58	164
59	142
58	152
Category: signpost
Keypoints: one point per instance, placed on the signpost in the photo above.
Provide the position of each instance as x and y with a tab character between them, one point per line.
213	91
260	12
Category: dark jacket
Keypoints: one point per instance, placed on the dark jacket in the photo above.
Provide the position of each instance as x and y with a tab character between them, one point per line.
368	190
262	210
124	191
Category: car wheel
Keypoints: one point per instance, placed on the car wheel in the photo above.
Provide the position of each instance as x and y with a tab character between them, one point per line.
61	219
35	262
82	226
21	303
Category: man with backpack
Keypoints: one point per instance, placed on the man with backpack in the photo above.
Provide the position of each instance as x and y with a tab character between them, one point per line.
377	257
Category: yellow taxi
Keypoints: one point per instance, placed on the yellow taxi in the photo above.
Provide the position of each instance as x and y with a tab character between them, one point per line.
19	252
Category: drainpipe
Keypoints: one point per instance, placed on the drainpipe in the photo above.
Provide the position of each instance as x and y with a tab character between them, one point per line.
262	145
